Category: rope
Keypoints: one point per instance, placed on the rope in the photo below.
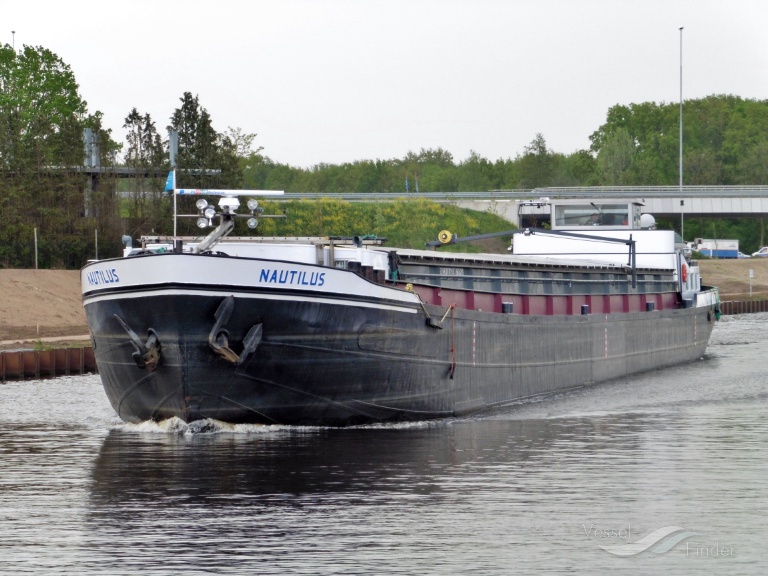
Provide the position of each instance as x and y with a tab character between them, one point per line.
453	340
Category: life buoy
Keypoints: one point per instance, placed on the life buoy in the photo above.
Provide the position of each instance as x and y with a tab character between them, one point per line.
684	272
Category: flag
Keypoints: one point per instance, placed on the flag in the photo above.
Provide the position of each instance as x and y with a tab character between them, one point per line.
406	183
170	183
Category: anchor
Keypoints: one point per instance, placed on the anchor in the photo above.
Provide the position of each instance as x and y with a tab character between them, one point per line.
218	339
146	354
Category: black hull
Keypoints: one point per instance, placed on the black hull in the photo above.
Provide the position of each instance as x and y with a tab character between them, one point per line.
321	363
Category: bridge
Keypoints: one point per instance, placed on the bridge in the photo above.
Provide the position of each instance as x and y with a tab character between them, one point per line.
661	201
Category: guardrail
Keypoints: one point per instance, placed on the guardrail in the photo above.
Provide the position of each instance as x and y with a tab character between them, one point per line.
389	196
535	193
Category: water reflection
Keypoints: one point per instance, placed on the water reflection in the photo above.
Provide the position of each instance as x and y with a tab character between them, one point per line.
450	497
419	459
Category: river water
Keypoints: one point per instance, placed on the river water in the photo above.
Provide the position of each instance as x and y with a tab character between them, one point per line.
666	472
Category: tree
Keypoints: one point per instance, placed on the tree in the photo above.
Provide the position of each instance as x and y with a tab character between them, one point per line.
638	144
202	150
615	157
476	173
242	142
719	133
579	169
701	167
42	117
536	164
145	150
431	156
38	99
753	167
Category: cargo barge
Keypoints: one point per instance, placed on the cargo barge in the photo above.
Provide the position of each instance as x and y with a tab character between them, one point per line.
340	331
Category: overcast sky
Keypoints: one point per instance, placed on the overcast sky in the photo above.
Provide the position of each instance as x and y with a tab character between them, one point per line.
336	81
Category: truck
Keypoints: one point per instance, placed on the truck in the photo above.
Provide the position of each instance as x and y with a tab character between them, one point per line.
716	248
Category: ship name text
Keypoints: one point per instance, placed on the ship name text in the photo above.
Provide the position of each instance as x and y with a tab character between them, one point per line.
98	277
292	277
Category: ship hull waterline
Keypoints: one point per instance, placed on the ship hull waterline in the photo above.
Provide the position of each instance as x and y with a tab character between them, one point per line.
321	362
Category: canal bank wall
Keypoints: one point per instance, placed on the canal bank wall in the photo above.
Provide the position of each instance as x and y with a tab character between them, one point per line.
743	306
37	364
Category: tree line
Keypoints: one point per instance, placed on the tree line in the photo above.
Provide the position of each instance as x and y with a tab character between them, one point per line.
42	187
725	142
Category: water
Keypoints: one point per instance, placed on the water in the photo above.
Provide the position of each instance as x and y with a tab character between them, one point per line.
536	487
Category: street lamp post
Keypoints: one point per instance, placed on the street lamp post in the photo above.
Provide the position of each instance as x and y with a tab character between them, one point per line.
682	235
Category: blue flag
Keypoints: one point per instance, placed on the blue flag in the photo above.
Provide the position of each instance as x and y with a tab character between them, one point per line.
170	183
406	183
